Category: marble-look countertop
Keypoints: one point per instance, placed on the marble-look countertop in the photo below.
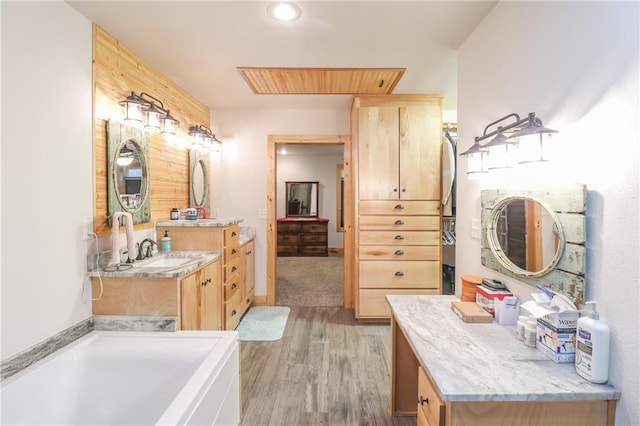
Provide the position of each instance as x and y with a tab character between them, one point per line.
245	238
484	362
200	223
198	259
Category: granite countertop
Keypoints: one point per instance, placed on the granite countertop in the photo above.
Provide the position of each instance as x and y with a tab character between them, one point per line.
484	362
138	269
200	223
245	238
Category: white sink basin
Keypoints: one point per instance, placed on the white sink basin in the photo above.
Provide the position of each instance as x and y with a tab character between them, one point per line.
166	262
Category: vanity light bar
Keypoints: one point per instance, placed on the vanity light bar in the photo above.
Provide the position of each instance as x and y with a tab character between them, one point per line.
203	137
158	119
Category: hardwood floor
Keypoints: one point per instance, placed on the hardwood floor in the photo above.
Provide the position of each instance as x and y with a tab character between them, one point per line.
326	370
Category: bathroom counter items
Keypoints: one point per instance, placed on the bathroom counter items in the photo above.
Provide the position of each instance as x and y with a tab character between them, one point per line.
481	374
200	223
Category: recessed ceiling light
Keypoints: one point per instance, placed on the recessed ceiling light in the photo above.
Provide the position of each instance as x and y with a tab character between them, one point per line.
284	11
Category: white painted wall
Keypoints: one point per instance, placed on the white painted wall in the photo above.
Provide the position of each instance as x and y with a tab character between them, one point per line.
321	168
238	176
46	170
576	65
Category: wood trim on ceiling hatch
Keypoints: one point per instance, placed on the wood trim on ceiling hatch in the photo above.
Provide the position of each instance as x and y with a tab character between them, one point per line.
321	81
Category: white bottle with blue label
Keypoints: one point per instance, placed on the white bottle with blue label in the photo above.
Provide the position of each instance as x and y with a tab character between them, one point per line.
592	345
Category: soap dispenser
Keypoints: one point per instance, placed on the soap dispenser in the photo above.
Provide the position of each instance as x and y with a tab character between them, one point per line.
592	345
165	243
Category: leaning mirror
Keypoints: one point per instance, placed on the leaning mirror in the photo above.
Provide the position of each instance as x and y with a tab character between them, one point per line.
128	171
301	199
537	236
199	179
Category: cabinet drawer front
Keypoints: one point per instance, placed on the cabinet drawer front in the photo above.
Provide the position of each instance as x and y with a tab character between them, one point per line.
397	222
399	274
397	238
314	227
399	252
231	268
288	227
231	252
318	250
231	288
429	401
231	235
373	304
287	249
399	207
314	238
233	312
288	238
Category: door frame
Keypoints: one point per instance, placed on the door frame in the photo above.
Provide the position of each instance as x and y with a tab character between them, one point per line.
272	142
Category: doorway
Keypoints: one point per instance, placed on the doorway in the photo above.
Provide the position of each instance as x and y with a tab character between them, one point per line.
273	141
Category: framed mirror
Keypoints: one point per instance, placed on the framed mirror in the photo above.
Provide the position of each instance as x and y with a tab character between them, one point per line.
199	163
128	171
301	199
537	236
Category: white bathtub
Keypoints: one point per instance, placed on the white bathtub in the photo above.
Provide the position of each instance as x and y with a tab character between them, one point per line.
130	378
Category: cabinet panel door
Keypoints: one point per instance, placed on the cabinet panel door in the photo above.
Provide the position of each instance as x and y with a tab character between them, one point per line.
420	146
212	297
378	161
191	302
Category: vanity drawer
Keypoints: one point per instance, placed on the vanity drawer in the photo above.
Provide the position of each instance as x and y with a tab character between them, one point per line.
231	268
399	253
399	274
399	207
429	401
397	222
231	288
231	235
233	311
410	238
372	303
231	251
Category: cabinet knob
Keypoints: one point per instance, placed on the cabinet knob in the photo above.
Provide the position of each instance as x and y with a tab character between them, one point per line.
398	207
233	251
395	189
399	252
233	233
234	312
399	222
233	269
208	280
399	237
234	285
249	252
404	190
423	400
399	274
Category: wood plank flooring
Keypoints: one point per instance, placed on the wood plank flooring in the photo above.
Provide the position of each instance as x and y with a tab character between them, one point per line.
326	370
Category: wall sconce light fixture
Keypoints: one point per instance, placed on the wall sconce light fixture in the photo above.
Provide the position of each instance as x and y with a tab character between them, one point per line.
522	139
203	137
157	118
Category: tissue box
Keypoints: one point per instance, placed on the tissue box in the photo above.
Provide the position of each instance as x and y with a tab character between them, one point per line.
556	344
565	320
485	297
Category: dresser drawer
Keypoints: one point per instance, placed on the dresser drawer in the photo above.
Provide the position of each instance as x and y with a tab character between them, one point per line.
289	227
311	250
231	268
429	401
399	207
399	253
399	274
373	304
410	238
314	227
397	222
313	238
232	235
287	249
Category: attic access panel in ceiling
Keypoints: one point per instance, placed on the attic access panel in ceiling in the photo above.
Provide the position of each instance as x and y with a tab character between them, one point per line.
321	81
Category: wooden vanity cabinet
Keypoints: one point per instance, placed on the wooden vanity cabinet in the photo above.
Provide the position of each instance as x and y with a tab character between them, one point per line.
248	275
398	210
193	299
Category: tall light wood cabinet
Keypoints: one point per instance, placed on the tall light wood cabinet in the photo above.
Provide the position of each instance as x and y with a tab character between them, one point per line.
397	143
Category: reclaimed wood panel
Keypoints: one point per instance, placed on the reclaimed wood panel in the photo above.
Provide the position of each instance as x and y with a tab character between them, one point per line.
116	72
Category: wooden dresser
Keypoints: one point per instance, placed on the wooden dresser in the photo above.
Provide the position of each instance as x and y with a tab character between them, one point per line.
303	237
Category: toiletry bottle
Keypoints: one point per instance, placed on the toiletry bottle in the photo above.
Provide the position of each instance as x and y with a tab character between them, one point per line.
530	332
175	214
592	345
165	243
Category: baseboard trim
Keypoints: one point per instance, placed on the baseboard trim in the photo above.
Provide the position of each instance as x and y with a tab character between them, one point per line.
260	301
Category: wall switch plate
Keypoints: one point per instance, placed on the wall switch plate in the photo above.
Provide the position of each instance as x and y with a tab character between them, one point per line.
87	230
262	213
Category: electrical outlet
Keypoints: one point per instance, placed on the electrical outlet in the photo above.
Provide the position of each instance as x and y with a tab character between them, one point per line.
262	213
87	230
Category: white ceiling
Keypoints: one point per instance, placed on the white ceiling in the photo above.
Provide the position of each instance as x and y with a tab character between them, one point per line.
199	44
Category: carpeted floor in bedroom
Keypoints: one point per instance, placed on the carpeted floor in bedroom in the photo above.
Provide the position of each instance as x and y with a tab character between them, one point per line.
310	281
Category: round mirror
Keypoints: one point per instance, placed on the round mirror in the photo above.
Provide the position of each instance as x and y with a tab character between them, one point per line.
198	176
525	235
130	175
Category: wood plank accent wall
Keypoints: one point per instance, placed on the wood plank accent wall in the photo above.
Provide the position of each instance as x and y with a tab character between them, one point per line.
116	72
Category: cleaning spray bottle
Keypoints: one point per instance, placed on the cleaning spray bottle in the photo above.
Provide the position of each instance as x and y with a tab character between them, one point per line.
592	345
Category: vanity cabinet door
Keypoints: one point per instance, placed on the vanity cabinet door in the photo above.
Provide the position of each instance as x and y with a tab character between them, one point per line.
430	405
200	299
248	274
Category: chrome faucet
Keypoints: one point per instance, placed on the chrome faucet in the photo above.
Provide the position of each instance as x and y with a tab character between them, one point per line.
148	252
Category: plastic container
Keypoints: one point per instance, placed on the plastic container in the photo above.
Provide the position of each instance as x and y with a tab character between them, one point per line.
530	332
469	284
165	243
522	320
592	345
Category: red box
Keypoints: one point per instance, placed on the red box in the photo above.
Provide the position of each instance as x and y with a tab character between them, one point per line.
485	297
